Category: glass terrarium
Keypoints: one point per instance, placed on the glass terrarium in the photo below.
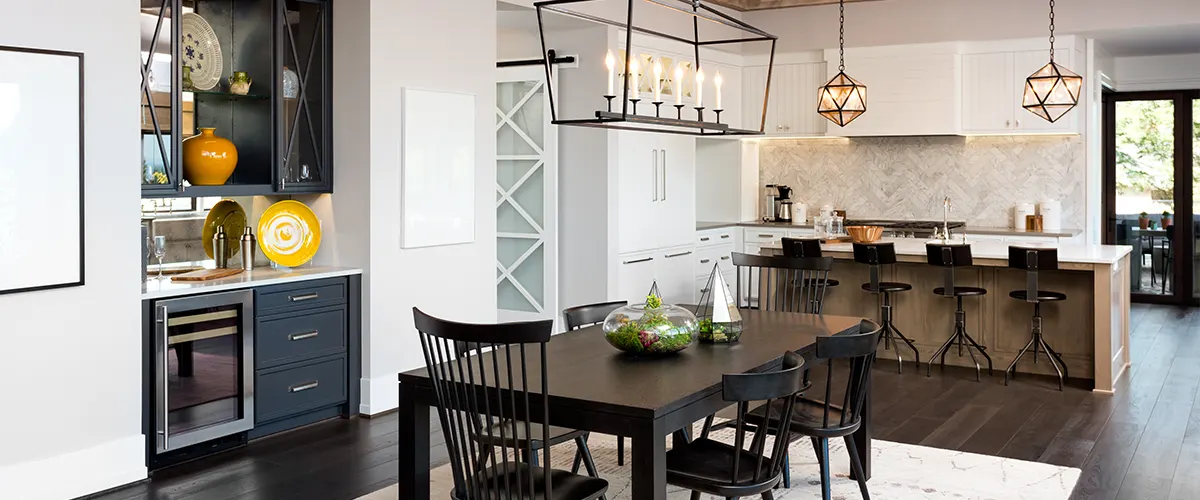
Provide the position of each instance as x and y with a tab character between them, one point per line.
652	328
719	319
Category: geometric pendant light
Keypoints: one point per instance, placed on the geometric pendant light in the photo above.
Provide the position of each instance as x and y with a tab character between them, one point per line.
1053	90
842	99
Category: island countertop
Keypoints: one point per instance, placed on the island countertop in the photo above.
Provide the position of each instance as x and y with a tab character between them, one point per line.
994	231
992	251
153	288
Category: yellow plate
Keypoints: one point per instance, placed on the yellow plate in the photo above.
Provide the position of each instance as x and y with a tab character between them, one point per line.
289	233
230	215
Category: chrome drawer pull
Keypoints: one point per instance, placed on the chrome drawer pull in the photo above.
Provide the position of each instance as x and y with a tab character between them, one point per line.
705	261
706	238
724	236
636	261
304	387
724	257
302	298
771	236
672	256
302	336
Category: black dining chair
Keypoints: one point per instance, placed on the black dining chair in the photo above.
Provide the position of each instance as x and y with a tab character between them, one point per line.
589	315
784	284
806	247
717	468
848	359
484	393
1167	255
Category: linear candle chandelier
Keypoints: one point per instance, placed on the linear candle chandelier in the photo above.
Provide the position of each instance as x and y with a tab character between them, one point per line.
1053	90
653	117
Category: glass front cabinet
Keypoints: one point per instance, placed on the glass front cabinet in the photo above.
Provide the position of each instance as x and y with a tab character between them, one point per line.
249	79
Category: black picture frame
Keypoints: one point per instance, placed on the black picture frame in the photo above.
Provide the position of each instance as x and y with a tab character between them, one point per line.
82	235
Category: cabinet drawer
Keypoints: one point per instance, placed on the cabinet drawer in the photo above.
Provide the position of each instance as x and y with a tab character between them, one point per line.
715	236
706	257
286	392
764	236
299	337
306	295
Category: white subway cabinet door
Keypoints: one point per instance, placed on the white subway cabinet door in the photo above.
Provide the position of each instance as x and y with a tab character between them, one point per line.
987	85
674	222
638	190
676	275
635	274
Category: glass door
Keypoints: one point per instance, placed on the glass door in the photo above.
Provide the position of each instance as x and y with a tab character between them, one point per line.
1149	190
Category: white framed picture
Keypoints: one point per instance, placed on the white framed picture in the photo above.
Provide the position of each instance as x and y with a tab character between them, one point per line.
437	165
41	169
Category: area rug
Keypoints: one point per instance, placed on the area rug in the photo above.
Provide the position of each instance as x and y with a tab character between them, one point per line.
900	472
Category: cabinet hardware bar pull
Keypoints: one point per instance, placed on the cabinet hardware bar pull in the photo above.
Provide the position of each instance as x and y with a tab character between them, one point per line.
654	173
689	252
766	236
663	167
302	298
304	387
635	261
724	257
302	336
705	261
706	238
724	236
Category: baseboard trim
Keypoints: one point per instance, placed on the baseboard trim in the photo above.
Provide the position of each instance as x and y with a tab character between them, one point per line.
379	394
96	469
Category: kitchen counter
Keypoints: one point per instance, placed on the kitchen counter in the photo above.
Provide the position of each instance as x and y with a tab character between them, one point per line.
159	289
992	253
1000	231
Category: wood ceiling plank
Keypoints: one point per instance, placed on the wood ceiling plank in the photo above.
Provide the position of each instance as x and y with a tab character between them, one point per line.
745	5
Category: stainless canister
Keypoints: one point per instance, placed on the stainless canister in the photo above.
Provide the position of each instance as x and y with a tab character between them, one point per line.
221	248
249	245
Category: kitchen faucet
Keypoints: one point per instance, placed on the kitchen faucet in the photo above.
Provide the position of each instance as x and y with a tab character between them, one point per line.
946	218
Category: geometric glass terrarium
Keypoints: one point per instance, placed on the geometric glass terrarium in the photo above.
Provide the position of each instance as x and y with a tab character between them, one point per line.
652	328
720	321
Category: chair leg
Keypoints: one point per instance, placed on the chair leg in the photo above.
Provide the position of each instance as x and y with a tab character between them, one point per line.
816	443
768	495
787	471
941	352
620	450
856	466
823	457
708	422
916	353
1012	367
695	495
1053	363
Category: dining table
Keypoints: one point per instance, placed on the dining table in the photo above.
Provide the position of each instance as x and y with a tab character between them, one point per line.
594	387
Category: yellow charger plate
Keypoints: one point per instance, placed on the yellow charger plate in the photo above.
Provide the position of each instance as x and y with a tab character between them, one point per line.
230	215
289	233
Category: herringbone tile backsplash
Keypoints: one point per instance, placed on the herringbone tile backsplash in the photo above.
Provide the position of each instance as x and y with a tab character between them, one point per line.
907	177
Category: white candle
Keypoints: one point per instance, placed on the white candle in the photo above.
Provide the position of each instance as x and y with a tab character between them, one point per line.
717	80
700	88
633	79
611	63
658	69
677	87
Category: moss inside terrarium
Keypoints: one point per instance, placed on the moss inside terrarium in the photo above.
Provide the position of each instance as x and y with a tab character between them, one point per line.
653	333
719	332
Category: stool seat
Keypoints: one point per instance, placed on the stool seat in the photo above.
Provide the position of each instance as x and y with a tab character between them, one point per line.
962	291
1042	295
888	287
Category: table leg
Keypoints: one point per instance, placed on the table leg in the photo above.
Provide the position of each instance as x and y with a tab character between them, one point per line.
862	437
648	469
414	445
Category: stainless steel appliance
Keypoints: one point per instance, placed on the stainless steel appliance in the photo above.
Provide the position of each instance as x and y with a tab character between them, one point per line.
908	228
784	213
203	369
770	198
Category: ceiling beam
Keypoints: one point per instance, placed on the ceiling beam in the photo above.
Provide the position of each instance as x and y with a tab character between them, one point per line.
746	5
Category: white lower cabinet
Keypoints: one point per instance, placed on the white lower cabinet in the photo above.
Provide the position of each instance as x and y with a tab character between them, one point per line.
671	268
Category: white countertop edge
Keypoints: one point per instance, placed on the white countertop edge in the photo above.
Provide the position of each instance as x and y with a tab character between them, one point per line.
1067	253
261	276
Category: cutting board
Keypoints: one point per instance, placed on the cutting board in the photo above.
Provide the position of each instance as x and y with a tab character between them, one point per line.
839	239
206	275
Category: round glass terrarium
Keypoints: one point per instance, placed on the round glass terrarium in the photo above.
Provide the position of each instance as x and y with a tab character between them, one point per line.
650	329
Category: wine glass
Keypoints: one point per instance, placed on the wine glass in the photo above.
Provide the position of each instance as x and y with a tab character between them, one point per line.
160	251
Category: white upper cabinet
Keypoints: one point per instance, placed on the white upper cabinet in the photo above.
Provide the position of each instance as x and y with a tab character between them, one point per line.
792	108
656	189
911	90
993	85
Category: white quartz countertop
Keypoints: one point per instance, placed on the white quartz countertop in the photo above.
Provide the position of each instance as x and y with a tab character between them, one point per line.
154	288
1067	253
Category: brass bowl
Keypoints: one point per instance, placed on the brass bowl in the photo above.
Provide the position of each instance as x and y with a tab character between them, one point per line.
864	234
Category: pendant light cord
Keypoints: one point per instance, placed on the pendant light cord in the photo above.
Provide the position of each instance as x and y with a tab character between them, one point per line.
842	34
1051	30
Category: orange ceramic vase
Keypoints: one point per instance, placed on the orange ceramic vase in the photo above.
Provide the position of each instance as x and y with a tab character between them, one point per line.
208	160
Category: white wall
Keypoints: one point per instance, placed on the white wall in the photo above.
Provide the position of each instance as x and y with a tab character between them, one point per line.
1171	72
893	22
447	50
71	376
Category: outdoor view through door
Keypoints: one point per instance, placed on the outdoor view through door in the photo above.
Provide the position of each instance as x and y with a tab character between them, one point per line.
1152	177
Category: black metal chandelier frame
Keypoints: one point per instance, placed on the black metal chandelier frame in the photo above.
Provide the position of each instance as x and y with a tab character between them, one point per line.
627	120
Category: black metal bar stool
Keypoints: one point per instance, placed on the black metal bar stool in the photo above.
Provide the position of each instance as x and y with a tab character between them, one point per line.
950	257
806	248
1033	260
877	255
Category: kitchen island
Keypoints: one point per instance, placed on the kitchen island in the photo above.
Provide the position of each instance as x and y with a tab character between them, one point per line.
1090	329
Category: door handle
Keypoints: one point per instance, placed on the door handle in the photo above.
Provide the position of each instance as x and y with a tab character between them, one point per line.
706	238
302	298
724	236
654	173
681	254
301	336
304	387
705	261
637	261
160	419
663	168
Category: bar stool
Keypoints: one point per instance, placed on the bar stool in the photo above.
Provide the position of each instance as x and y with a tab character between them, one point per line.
877	255
1033	260
806	248
950	257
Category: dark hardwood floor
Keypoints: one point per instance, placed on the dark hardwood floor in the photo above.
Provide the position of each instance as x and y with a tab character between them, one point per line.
1143	443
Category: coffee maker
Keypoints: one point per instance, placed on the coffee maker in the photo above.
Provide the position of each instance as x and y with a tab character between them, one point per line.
770	205
784	213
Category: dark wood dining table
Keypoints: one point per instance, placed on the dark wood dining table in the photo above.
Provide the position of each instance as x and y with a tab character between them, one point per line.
596	388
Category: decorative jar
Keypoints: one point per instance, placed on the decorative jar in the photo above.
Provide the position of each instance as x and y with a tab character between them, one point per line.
650	329
208	159
239	83
291	84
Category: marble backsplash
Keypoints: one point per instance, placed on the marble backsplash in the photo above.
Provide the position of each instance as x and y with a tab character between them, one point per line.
907	177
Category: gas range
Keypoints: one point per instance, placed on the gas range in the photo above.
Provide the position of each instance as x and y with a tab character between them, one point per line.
906	228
